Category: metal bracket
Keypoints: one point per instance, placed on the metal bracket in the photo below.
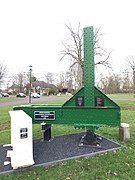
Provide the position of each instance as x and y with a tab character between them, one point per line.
90	139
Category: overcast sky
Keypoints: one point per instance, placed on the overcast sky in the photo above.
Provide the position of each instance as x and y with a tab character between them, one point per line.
31	31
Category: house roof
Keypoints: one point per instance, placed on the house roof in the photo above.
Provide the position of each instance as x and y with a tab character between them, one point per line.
42	84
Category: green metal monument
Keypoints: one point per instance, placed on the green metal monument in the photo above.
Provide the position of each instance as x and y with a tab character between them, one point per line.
89	108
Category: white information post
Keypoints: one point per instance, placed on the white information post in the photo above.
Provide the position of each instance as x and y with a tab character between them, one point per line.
21	140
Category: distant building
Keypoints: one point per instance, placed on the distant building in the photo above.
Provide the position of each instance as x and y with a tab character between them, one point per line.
44	88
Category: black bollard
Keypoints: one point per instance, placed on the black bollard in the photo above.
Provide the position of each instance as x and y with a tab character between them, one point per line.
46	130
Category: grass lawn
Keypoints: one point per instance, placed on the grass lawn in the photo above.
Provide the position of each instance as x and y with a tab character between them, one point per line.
120	96
2	99
115	165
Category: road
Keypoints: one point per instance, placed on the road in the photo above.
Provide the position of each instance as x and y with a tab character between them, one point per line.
42	99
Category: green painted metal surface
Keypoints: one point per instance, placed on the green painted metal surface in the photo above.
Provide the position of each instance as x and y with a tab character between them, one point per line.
86	116
89	107
89	66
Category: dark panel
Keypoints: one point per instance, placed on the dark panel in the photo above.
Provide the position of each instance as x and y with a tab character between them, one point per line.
80	101
99	101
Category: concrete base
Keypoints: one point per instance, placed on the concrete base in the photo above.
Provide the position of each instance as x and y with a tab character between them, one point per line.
124	132
59	149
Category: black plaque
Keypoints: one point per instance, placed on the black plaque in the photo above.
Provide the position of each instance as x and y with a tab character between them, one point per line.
22	130
99	101
23	135
80	101
44	115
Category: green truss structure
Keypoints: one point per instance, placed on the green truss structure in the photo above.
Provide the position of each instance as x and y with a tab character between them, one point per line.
89	108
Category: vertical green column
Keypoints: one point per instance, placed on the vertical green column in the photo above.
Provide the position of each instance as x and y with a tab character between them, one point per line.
88	66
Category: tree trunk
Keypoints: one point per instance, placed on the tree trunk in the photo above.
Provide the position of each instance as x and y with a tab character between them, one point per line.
134	83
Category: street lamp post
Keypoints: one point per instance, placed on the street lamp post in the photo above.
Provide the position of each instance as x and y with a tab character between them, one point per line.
30	84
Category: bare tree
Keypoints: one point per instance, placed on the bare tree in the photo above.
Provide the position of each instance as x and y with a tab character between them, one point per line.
100	54
21	82
111	84
49	79
131	64
3	72
61	81
18	81
74	50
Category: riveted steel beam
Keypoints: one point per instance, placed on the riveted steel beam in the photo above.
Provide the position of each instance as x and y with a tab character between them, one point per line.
88	66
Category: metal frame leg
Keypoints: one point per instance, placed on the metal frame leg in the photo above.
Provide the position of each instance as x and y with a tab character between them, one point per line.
46	130
90	139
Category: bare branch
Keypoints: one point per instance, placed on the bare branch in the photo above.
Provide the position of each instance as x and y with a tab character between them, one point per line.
131	63
3	71
75	50
105	62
